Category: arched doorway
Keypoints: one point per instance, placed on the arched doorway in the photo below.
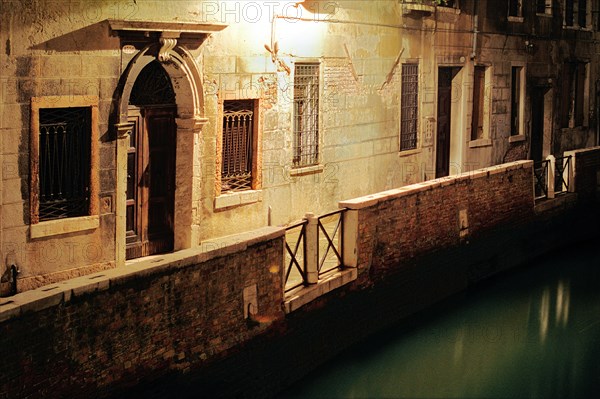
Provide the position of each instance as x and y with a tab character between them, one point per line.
151	153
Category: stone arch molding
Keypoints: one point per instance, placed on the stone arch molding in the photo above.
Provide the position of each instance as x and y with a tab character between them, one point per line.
181	68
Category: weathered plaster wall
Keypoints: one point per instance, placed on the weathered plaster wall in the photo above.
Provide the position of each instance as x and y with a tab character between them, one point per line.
64	49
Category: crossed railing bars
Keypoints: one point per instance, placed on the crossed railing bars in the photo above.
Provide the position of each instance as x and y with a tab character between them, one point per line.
314	247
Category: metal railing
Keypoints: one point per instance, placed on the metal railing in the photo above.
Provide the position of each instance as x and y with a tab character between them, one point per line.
295	263
540	171
330	228
313	247
562	174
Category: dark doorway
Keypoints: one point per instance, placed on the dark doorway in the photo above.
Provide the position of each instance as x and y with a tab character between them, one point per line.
444	122
151	164
537	123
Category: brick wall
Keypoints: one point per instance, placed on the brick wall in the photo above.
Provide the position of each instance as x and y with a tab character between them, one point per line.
133	324
399	225
586	172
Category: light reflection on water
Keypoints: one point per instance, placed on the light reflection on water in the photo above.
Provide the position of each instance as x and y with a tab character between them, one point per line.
532	333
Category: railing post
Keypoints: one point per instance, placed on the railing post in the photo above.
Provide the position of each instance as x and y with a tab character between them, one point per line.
571	171
312	248
350	238
551	171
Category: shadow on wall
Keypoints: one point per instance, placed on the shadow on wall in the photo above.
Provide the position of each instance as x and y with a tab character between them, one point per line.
516	152
90	38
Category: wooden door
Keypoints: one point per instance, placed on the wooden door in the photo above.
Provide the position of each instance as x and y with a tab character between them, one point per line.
150	181
442	162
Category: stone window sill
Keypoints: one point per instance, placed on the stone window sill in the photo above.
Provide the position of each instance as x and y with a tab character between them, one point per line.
577	27
299	297
63	226
515	19
406	153
450	10
516	138
480	143
543	15
307	170
229	200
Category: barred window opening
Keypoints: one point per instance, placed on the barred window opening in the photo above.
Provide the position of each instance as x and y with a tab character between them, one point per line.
409	107
238	138
306	115
64	162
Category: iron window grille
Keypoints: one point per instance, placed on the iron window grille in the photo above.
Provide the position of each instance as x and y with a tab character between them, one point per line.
306	115
237	147
64	162
409	107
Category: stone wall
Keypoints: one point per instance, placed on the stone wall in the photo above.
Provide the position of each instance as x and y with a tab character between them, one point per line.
397	226
190	317
124	326
586	175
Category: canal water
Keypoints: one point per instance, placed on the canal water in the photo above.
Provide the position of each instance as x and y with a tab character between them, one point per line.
532	332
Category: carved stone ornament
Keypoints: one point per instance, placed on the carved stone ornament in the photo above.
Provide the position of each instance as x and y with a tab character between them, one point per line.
167	44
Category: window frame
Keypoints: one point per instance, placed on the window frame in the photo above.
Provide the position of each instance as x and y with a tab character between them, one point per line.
485	104
574	115
62	225
519	11
547	8
256	169
299	167
520	124
416	106
576	18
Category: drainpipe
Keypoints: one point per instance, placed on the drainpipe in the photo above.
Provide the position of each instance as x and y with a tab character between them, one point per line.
475	30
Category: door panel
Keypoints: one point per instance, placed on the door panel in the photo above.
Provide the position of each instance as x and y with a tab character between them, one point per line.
151	182
442	163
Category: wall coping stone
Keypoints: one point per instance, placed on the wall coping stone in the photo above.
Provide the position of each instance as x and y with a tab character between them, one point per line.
582	150
374	199
53	294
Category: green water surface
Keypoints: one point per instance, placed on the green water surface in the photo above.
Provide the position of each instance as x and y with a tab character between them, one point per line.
533	332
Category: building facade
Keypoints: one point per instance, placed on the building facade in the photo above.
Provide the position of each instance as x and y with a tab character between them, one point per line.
134	128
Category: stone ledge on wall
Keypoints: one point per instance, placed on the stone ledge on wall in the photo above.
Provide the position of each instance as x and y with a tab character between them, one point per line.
53	294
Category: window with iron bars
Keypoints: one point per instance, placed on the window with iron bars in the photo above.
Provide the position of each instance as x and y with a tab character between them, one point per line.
237	156
409	107
306	115
64	162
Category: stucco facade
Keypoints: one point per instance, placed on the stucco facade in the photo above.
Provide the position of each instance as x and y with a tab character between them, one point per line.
91	54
